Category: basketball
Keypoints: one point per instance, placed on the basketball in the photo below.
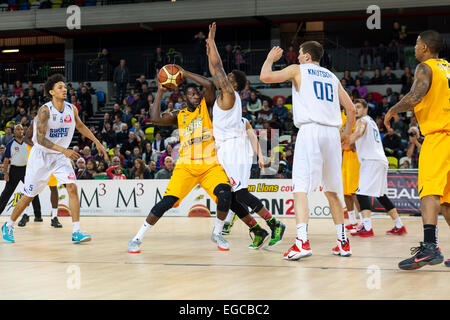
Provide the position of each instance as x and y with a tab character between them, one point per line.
170	76
199	210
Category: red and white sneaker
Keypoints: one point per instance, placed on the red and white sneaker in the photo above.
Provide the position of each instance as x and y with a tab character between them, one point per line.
298	250
342	249
397	231
351	226
362	232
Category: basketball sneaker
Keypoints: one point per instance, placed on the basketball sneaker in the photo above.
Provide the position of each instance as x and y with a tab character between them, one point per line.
38	219
425	254
227	226
261	236
79	236
298	250
342	249
447	263
277	233
360	231
55	223
222	244
351	226
8	233
24	220
133	246
397	231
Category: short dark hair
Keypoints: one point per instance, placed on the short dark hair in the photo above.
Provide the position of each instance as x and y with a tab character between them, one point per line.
314	48
191	85
52	80
433	40
240	78
362	101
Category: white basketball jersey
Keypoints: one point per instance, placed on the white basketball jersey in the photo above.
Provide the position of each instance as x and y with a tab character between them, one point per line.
318	98
227	123
369	146
60	127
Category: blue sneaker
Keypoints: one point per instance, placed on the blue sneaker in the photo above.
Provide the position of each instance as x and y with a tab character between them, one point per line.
8	233
79	236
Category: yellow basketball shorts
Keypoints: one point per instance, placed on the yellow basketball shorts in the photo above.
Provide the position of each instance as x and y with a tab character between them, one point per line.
350	172
434	166
186	176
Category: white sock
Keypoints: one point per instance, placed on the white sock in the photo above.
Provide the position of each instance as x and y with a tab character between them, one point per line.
10	223
140	235
340	230
398	223
352	217
54	212
219	226
229	217
302	231
367	222
75	226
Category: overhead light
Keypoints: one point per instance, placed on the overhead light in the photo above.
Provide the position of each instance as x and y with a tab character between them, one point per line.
10	50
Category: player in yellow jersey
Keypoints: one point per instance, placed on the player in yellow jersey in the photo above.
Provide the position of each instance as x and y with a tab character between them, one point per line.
52	183
197	162
350	178
429	97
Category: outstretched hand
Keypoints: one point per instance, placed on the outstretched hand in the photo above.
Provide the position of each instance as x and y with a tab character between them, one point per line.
387	119
275	54
212	31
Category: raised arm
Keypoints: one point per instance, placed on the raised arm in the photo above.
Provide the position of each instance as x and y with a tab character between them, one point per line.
81	127
226	96
255	143
350	112
360	128
422	82
29	135
291	72
208	85
166	119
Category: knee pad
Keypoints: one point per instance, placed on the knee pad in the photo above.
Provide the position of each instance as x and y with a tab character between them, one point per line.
238	208
223	194
245	197
165	204
364	202
386	203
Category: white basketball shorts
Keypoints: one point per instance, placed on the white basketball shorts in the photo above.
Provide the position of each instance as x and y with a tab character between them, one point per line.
373	178
317	159
233	155
41	165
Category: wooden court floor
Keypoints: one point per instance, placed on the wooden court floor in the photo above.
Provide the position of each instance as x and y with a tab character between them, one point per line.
179	261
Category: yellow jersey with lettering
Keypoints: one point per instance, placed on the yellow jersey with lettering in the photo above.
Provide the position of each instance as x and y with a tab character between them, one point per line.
433	112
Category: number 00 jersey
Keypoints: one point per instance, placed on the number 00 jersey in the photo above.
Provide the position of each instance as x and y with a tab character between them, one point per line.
369	146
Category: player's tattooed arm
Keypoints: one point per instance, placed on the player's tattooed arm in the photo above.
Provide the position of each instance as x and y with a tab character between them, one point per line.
29	135
422	82
166	119
41	129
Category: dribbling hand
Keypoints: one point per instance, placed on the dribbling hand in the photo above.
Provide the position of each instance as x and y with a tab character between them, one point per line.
102	151
387	119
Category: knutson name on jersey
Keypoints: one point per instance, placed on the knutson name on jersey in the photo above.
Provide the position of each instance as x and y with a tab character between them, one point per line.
319	73
59	133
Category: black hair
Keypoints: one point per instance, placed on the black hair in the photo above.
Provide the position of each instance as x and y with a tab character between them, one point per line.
52	80
433	40
314	48
191	85
240	78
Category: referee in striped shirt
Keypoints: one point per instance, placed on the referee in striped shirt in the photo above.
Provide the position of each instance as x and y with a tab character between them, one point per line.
15	159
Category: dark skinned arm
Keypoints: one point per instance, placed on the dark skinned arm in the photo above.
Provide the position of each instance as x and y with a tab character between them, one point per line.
166	119
29	135
420	87
208	86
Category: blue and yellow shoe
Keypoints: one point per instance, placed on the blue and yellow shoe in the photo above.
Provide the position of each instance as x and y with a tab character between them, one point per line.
8	233
79	236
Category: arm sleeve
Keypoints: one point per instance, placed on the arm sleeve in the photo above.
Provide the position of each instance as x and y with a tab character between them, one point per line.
8	150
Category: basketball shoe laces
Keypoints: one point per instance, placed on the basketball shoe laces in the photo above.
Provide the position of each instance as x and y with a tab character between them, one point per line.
257	237
419	249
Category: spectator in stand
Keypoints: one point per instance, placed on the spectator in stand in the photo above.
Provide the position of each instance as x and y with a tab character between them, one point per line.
102	123
3	100
259	123
254	104
239	60
392	54
147	153
127	116
138	131
100	173
200	52
121	78
140	170
22	114
280	110
175	95
166	153
288	125
118	158
139	82
115	173
86	103
117	124
366	56
345	85
5	89
91	168
400	127
145	92
89	88
245	93
266	112
28	88
291	56
106	65
2	151
83	142
129	144
80	170
247	115
362	78
132	157
71	93
7	137
108	135
407	80
228	59
392	144
179	104
384	106
137	103
158	147
130	97
348	78
166	172
87	155
391	96
75	102
144	118
153	86
122	136
377	77
396	31
415	143
153	169
149	101
17	88
389	77
362	90
275	123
